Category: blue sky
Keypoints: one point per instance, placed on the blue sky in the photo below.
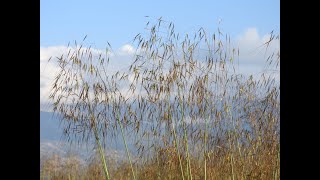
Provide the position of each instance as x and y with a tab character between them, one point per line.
119	21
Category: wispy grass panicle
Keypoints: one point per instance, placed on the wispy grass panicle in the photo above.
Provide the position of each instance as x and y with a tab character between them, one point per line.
184	103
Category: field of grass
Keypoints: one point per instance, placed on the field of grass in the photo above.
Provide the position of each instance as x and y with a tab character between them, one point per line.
190	111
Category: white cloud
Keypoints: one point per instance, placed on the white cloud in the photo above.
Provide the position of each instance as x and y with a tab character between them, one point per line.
251	61
252	48
250	37
254	52
127	49
118	60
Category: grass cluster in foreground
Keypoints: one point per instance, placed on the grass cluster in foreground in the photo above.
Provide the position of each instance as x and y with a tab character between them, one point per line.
189	111
260	166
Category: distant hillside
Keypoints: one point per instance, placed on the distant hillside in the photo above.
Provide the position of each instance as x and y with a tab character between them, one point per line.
49	127
53	141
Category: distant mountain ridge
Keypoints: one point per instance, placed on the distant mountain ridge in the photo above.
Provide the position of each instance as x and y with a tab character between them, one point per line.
52	141
49	127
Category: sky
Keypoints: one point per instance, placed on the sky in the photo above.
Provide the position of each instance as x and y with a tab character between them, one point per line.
117	22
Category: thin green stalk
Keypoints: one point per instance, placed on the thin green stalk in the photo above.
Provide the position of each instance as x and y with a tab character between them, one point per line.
158	163
101	152
126	146
205	142
205	148
185	136
231	156
232	166
100	149
176	142
176	145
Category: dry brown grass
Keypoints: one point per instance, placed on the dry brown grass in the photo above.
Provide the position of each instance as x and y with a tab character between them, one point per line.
207	120
261	166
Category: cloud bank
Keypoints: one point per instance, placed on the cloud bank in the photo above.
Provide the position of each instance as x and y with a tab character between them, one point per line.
252	58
